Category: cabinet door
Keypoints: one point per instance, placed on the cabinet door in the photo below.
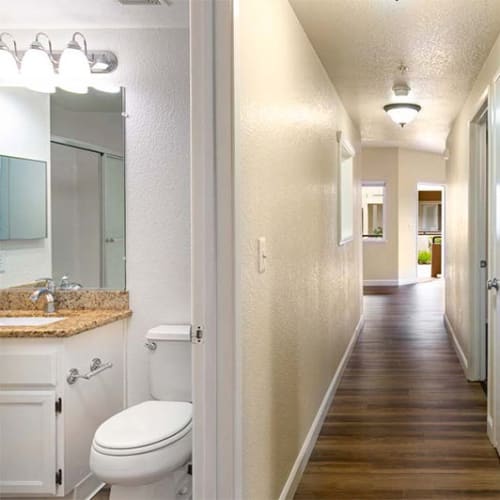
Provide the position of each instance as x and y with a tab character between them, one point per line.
27	442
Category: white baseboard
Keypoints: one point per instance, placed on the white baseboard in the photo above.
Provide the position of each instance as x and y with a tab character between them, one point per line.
84	490
458	349
398	282
380	282
407	281
307	447
490	432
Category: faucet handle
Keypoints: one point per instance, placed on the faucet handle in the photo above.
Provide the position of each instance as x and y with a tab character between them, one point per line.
66	284
49	283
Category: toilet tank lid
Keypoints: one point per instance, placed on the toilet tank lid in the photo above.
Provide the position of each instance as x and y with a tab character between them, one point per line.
170	332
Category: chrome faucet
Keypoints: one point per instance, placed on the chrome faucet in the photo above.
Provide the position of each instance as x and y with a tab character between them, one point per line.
45	291
49	284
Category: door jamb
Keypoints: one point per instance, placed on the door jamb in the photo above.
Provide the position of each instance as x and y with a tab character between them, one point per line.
479	248
216	386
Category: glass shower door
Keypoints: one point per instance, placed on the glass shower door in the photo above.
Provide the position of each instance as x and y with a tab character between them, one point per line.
113	193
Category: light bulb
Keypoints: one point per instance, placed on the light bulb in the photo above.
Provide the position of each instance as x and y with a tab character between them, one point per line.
74	70
8	67
37	70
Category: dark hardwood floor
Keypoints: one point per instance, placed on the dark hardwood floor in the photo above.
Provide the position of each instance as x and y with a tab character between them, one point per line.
405	423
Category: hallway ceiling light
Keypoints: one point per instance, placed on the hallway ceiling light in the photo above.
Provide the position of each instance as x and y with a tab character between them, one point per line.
37	66
401	112
74	66
9	70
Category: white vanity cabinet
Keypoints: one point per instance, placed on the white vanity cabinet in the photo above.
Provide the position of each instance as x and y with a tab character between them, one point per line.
47	424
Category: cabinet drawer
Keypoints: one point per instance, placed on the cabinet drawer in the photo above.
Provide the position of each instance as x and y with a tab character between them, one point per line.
28	369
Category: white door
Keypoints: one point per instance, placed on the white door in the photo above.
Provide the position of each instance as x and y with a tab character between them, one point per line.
27	442
216	429
113	203
494	269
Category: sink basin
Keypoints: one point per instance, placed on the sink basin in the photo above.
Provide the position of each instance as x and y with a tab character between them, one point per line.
28	321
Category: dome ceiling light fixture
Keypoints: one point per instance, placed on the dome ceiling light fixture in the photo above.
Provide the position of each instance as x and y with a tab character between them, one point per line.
402	113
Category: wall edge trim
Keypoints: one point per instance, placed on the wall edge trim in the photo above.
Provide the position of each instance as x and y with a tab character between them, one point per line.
302	459
458	349
490	431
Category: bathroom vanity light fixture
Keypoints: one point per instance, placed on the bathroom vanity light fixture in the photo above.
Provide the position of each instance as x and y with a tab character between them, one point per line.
9	70
42	69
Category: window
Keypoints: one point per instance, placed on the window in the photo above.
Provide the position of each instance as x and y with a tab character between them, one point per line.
372	196
346	189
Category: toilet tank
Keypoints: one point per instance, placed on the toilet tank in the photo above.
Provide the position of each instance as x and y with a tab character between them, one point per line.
169	348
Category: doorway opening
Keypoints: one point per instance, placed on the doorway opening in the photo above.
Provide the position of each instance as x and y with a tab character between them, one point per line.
430	241
479	160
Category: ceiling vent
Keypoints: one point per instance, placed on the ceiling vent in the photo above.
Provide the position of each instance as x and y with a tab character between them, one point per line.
140	2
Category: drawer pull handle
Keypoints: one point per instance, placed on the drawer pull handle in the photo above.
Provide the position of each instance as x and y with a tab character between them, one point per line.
96	367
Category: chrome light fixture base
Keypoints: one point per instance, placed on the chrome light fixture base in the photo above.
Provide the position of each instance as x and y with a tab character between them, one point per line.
101	61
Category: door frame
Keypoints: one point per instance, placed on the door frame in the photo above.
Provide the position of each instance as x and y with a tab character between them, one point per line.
493	419
479	250
216	380
439	187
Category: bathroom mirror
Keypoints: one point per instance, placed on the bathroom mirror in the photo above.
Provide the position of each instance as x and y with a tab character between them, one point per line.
62	188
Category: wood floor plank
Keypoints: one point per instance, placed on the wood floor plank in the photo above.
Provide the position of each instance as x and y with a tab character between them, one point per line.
405	423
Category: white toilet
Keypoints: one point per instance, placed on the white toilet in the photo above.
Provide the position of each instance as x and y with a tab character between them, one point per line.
143	451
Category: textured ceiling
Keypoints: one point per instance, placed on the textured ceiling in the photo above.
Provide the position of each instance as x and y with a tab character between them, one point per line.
363	42
46	14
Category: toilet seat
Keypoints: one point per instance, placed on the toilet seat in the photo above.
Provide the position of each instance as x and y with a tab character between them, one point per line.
144	428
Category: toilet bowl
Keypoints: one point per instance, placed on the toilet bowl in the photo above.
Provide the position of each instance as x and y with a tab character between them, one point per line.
143	443
143	451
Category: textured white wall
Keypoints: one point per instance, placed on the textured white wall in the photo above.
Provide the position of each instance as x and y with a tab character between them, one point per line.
415	167
154	69
402	170
25	133
296	318
460	226
380	258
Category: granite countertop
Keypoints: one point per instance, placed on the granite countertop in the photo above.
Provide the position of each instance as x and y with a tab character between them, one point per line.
75	321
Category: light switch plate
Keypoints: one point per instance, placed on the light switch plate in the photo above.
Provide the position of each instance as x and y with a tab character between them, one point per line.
262	254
